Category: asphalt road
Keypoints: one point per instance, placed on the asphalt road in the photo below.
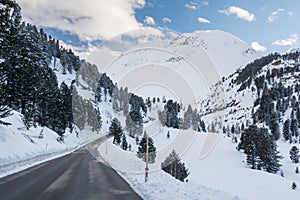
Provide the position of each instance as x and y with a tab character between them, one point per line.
80	175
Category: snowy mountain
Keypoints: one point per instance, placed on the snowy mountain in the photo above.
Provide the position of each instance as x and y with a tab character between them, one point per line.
197	60
233	102
264	93
227	52
67	102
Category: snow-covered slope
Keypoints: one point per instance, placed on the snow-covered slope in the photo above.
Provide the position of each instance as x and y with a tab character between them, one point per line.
66	76
226	51
229	104
222	170
22	148
278	79
195	60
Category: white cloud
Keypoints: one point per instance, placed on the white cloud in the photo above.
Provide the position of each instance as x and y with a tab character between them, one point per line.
149	20
204	3
191	6
89	20
203	20
287	42
194	6
290	13
239	12
258	47
274	15
167	20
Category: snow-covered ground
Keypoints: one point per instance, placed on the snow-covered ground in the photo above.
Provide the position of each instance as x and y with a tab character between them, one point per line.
22	148
57	67
238	111
223	169
132	169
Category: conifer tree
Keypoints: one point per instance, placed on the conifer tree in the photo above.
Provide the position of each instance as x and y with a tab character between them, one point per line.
260	148
173	166
124	143
294	186
286	130
151	149
4	112
115	129
294	154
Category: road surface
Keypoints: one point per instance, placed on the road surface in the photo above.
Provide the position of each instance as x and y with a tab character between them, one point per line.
80	175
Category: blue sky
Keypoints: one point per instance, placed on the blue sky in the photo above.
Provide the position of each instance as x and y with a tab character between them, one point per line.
263	29
270	25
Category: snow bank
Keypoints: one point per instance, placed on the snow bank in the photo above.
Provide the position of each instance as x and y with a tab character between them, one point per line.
132	168
22	148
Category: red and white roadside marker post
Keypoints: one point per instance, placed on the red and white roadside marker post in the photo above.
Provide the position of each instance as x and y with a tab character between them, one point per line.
147	168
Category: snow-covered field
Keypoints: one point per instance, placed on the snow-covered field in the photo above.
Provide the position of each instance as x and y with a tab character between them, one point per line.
22	148
223	169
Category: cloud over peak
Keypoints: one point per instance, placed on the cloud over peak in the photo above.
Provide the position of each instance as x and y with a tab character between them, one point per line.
287	42
166	20
90	21
203	20
149	21
239	12
194	5
258	47
274	15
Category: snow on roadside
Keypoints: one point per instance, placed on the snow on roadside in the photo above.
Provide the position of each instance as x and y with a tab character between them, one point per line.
22	148
163	186
132	168
224	169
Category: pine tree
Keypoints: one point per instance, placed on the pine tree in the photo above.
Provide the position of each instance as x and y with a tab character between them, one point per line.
286	130
202	125
99	119
173	166
168	134
172	109
274	126
294	186
267	151
294	154
294	127
195	120
132	127
162	116
297	170
4	112
115	99
224	130
260	148
187	120
125	99
151	149
232	129
28	52
137	140
124	143
115	129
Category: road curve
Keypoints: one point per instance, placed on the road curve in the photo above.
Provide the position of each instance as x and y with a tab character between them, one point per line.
80	175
